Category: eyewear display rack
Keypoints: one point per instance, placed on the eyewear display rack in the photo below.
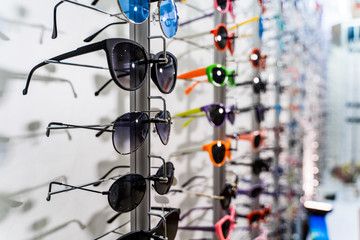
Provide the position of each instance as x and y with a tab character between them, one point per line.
139	160
220	132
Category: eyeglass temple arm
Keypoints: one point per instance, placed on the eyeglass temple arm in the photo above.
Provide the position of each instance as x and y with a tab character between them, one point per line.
59	125
54	34
189	89
79	51
190	180
112	231
198	228
198	194
246	109
196	19
108	172
192	210
191	43
188	112
245	22
71	187
244	83
187	151
92	36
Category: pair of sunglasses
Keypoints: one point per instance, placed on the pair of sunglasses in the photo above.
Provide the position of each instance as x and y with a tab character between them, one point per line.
129	131
128	190
257	84
222	228
127	62
224	6
256	138
165	229
259	165
137	12
217	74
216	114
218	151
259	108
257	60
255	216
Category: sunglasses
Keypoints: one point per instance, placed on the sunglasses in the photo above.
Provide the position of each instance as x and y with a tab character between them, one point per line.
257	60
257	84
224	6
218	151
256	138
216	113
255	216
222	228
259	108
129	131
222	38
128	190
258	165
217	74
136	12
127	63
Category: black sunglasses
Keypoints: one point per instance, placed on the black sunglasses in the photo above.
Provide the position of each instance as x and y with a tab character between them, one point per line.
258	165
259	108
257	84
127	62
129	130
128	190
167	228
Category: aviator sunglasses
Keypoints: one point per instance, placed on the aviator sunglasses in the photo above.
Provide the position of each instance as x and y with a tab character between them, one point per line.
129	131
136	11
128	190
216	113
127	63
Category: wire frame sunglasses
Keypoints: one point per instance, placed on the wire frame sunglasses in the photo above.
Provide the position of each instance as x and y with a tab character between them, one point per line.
216	114
136	12
222	228
129	131
127	63
218	151
128	190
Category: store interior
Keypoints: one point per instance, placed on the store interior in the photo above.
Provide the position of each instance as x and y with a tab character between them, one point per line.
247	129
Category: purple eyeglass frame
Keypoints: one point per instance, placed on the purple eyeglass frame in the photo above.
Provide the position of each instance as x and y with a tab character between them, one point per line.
228	110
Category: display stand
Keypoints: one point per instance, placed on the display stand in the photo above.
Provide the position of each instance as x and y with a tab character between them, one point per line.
219	133
139	160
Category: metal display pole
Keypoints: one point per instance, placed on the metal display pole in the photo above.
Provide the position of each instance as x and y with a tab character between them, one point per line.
219	133
139	160
255	179
277	8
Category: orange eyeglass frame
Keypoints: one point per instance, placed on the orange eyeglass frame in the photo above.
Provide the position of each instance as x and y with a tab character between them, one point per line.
251	137
227	144
229	39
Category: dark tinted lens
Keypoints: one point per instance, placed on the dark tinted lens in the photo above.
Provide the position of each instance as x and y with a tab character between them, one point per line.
221	37
255	58
218	74
163	187
256	192
255	217
217	114
166	74
257	141
172	221
163	129
227	193
226	228
218	152
130	64
259	114
231	115
137	235
126	193
221	4
130	131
